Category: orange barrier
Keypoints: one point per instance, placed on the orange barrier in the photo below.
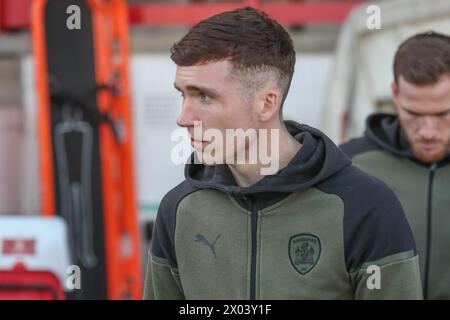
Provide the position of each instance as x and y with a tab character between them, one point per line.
118	195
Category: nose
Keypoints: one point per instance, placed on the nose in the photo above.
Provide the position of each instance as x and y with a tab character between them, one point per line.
187	115
428	129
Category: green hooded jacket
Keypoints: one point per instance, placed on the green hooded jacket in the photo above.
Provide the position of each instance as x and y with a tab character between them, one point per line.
423	191
317	229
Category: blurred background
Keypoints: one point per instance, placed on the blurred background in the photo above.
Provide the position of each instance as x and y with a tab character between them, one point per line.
344	51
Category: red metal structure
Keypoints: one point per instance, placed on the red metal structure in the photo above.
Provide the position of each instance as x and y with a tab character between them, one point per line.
15	14
23	284
289	13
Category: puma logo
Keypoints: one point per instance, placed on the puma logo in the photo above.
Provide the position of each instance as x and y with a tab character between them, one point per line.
212	246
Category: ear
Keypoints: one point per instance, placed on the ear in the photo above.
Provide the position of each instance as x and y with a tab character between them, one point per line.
394	91
269	104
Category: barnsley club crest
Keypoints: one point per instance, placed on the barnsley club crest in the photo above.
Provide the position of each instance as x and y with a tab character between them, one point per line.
304	252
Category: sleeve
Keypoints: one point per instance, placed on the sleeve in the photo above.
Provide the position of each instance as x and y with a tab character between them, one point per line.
395	277
380	249
162	280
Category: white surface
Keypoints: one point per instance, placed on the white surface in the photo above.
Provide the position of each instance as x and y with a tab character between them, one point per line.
30	186
50	234
156	106
362	69
10	155
305	100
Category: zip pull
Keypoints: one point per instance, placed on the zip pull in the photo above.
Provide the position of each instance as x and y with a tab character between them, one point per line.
245	201
250	200
433	167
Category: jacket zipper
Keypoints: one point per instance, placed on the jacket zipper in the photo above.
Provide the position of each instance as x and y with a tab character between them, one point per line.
254	226
429	229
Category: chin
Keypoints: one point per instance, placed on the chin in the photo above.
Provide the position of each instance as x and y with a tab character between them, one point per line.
430	158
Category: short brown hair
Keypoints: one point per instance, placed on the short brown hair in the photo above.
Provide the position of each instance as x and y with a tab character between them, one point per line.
422	59
250	39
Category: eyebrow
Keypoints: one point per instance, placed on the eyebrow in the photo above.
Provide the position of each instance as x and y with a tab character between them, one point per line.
440	113
208	91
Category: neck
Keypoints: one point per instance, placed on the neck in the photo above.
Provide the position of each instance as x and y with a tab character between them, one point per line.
281	150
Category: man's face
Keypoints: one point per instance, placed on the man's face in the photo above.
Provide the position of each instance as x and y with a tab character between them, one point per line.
211	95
424	114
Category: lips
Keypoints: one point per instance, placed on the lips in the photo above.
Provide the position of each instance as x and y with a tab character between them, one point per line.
198	143
428	145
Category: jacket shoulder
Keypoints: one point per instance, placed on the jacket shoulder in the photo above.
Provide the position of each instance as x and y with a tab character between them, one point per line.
375	225
357	146
163	241
170	201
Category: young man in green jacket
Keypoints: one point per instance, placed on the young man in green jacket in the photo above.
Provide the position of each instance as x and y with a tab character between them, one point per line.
282	215
411	151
